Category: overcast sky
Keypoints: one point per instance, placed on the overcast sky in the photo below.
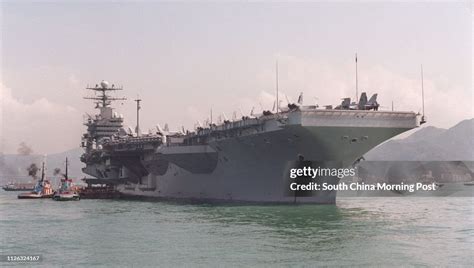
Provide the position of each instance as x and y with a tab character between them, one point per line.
184	58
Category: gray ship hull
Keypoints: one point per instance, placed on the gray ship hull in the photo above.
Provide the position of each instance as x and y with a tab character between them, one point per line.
254	168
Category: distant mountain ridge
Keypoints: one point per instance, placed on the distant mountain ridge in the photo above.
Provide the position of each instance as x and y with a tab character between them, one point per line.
13	166
430	144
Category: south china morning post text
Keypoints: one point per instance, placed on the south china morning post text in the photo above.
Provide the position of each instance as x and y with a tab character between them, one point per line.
308	179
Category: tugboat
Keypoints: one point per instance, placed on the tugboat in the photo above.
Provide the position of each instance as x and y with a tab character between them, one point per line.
66	192
42	189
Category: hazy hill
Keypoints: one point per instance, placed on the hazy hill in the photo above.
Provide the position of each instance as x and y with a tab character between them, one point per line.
13	167
430	143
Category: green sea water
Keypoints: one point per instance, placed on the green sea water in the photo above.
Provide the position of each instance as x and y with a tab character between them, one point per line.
357	231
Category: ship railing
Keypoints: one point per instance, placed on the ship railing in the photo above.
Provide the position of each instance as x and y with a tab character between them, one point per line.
230	126
364	113
134	140
228	129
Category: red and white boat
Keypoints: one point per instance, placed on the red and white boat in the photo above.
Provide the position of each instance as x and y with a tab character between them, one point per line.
66	191
42	189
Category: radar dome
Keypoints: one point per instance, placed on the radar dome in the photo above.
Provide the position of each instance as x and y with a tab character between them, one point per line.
104	84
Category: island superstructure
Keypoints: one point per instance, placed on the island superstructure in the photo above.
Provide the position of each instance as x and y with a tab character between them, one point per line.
241	160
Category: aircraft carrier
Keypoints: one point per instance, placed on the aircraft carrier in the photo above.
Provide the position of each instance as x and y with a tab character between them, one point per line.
241	160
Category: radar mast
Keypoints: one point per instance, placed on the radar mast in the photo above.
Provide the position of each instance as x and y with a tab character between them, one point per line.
104	99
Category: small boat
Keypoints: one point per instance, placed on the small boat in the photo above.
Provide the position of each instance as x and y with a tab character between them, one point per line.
42	189
18	186
34	195
66	196
67	191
